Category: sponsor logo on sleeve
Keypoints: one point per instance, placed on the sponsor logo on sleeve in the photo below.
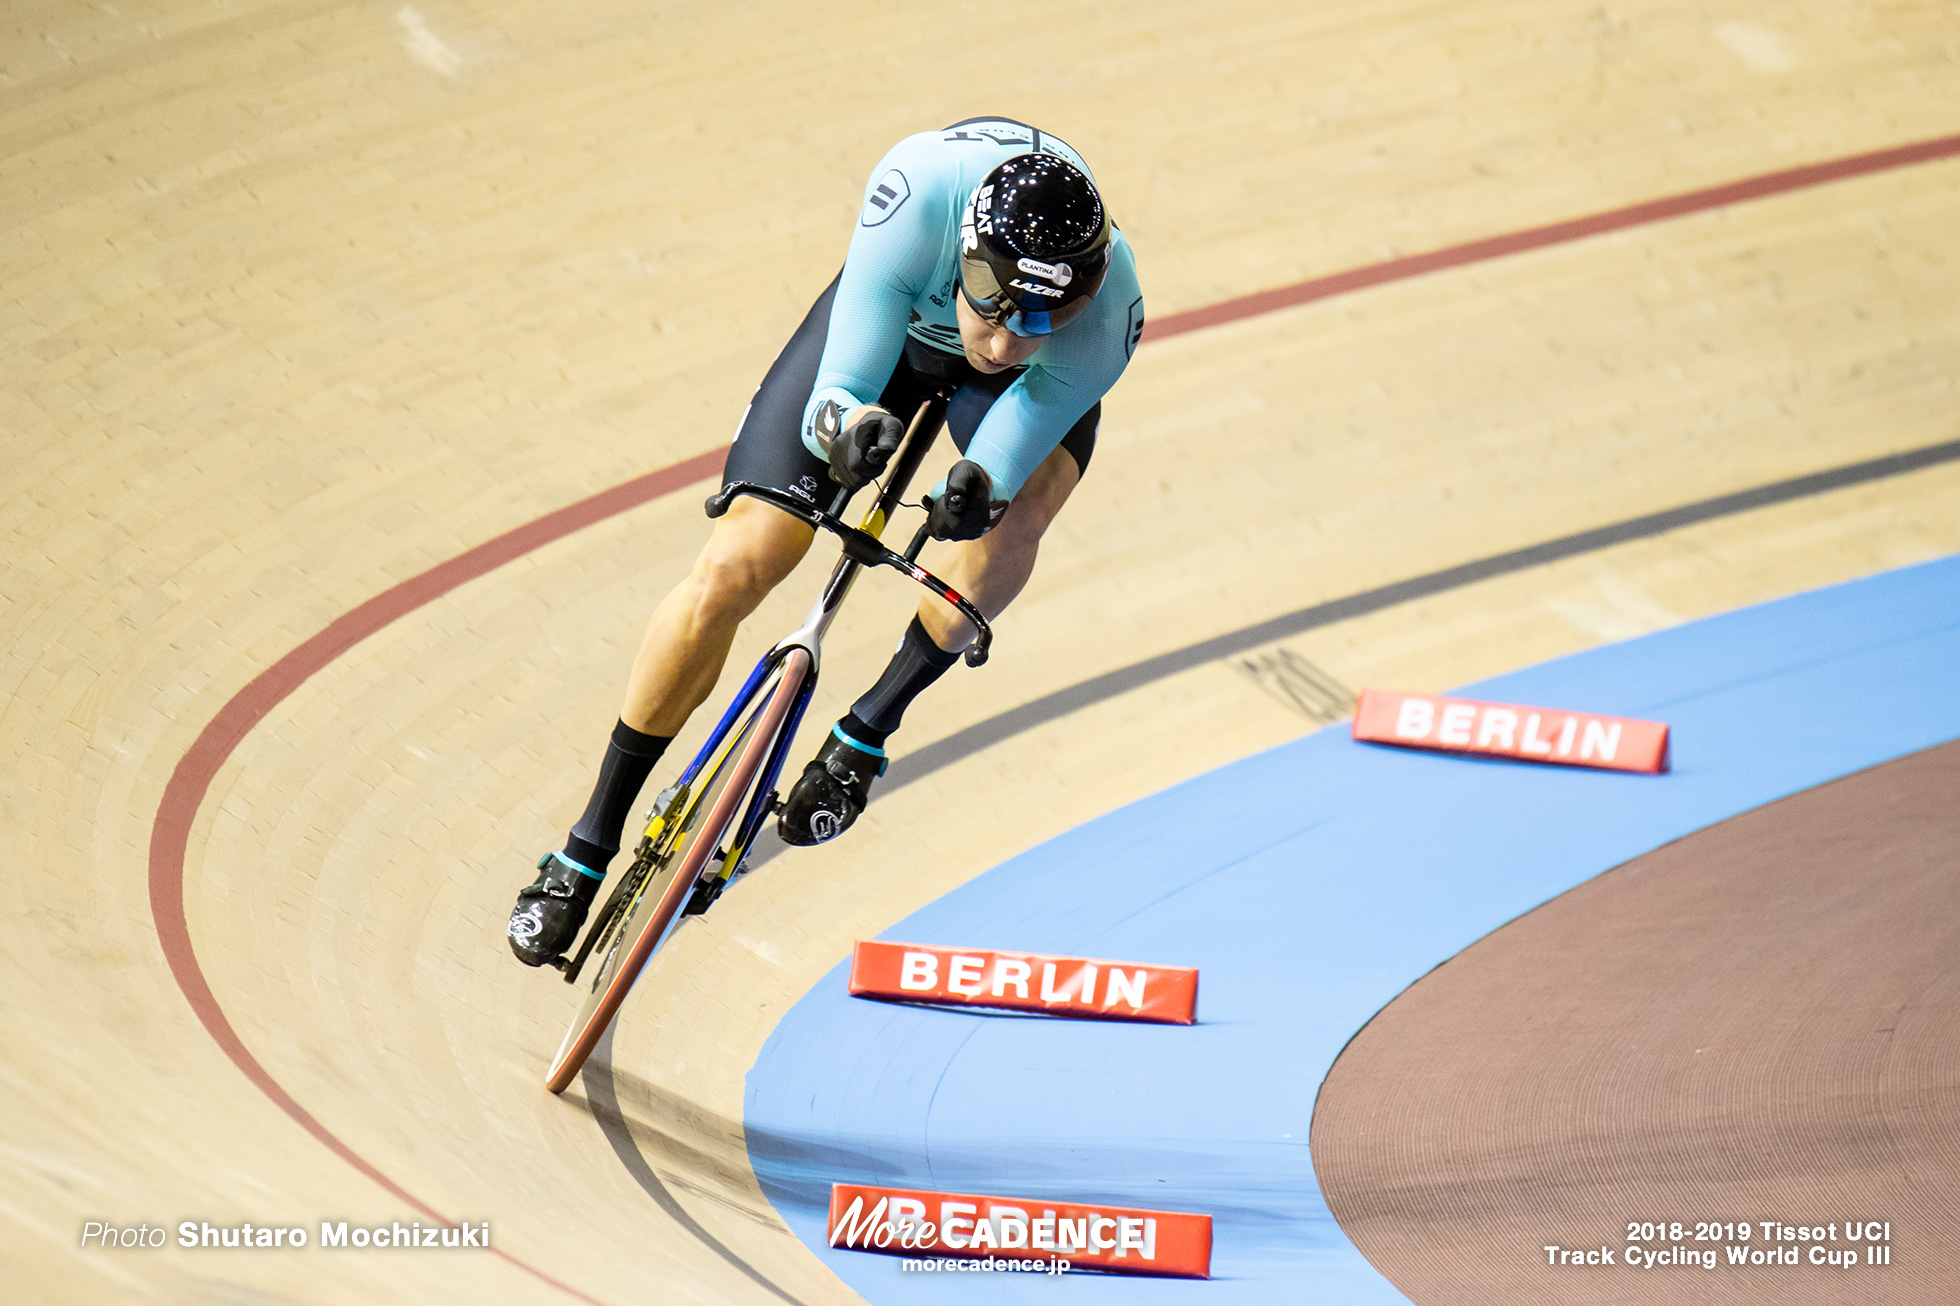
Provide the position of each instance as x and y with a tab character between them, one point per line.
886	198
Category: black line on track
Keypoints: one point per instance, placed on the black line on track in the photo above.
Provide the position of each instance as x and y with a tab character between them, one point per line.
603	1095
943	753
961	744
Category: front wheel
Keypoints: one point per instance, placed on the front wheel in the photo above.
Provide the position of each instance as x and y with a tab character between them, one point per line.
652	916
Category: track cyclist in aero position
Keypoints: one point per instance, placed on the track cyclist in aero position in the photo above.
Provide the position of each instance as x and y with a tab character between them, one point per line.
982	260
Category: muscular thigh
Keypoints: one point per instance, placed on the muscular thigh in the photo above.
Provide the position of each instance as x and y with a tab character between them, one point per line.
1036	506
752	548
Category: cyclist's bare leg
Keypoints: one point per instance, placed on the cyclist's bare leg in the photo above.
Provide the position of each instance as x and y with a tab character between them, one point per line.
992	570
753	547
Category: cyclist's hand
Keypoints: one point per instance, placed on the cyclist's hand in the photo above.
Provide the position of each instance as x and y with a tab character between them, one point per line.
967	509
859	452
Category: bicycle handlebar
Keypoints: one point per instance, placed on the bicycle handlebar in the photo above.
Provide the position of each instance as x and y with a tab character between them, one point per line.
861	547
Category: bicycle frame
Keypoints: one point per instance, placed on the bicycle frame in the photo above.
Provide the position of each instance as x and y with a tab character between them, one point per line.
862	547
745	759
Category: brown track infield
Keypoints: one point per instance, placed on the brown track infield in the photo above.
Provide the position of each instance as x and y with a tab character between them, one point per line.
1759	1022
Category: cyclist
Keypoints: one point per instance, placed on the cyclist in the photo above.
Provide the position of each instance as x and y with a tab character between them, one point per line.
983	259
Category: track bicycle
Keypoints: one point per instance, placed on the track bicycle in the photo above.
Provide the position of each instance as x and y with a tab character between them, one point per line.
694	845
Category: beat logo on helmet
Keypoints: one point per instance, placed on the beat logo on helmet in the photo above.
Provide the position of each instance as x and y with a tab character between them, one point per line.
978	220
1059	273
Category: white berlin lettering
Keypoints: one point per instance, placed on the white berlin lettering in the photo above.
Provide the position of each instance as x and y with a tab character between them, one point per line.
963	976
1414	718
1488	727
1606	739
1497	727
1010	973
1456	724
921	972
1128	987
982	977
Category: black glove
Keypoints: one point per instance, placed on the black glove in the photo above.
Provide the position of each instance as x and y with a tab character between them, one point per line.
968	509
858	454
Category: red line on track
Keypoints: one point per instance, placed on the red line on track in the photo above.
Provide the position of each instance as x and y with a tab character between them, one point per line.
184	794
1557	233
191	780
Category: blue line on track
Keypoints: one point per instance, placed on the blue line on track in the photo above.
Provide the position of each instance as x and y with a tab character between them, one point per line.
1310	884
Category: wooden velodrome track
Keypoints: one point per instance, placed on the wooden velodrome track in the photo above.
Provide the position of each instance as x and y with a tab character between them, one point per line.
303	299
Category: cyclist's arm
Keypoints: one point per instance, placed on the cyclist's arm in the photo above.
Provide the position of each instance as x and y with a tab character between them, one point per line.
1062	383
895	248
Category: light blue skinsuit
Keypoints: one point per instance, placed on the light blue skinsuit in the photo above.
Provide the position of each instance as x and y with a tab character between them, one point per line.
899	277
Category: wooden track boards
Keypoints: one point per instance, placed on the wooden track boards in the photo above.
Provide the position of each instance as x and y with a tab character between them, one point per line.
301	299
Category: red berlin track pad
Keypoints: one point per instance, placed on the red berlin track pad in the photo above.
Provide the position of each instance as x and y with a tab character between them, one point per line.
1525	734
1081	987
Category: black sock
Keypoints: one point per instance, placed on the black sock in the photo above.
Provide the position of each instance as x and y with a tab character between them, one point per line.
630	756
916	665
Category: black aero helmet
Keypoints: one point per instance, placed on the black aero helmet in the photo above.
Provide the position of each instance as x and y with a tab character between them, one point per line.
1034	244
